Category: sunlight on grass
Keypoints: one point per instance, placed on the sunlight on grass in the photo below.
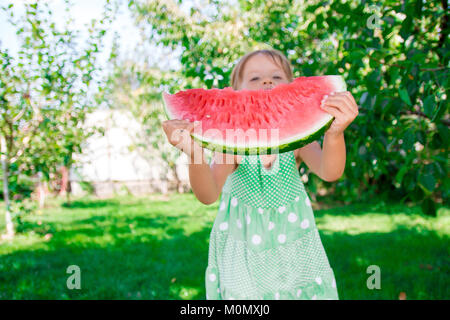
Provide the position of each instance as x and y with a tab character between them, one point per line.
29	242
156	247
355	224
82	239
362	262
383	223
183	292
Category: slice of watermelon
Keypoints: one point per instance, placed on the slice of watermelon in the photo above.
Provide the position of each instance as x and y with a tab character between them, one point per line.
282	119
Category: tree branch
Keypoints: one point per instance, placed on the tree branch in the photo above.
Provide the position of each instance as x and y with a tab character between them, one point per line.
403	67
423	115
28	132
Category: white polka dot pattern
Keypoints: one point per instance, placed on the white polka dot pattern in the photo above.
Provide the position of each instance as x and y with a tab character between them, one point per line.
305	224
223	226
292	217
297	270
281	238
256	239
264	243
259	187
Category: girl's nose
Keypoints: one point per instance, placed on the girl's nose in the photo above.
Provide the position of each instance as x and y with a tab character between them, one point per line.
267	81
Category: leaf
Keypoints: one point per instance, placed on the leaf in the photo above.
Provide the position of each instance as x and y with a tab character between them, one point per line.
440	111
428	168
209	83
406	27
418	8
404	96
429	207
363	97
401	173
444	132
374	80
408	140
428	106
420	136
438	168
355	54
427	182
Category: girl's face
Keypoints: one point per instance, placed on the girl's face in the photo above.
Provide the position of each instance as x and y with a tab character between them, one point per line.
261	73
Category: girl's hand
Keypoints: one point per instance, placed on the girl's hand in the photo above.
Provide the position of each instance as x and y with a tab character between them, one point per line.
178	133
343	107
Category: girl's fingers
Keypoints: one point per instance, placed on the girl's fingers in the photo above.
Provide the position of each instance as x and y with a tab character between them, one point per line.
193	126
352	99
348	97
189	127
337	103
353	108
342	102
332	110
179	124
339	97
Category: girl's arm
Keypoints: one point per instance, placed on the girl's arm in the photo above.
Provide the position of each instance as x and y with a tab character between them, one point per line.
329	163
207	181
332	164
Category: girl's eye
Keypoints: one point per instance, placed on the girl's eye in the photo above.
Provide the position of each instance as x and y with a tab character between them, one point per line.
256	78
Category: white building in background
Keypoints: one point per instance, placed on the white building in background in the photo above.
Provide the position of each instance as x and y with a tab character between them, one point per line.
109	166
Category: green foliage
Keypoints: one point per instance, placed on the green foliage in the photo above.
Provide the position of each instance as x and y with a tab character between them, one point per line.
87	186
146	246
20	185
137	86
19	210
394	56
46	91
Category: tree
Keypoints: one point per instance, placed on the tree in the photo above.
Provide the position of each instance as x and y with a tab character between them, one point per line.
135	85
45	94
394	56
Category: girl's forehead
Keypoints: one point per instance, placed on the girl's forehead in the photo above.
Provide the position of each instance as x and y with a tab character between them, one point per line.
260	62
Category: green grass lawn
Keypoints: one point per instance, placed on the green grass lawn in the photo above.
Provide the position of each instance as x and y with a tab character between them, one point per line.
157	248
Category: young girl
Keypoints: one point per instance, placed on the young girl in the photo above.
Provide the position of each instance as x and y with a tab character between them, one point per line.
264	243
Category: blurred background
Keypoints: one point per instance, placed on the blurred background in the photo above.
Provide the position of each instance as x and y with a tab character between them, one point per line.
89	179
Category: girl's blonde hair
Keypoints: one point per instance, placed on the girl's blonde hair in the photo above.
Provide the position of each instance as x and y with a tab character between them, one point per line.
277	57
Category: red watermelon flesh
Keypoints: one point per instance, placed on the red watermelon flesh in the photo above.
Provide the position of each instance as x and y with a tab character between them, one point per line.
292	111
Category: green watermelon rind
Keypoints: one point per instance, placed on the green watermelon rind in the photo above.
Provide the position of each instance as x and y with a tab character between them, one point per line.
284	147
166	110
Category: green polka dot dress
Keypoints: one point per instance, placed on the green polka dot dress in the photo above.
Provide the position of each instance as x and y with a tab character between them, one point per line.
264	243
